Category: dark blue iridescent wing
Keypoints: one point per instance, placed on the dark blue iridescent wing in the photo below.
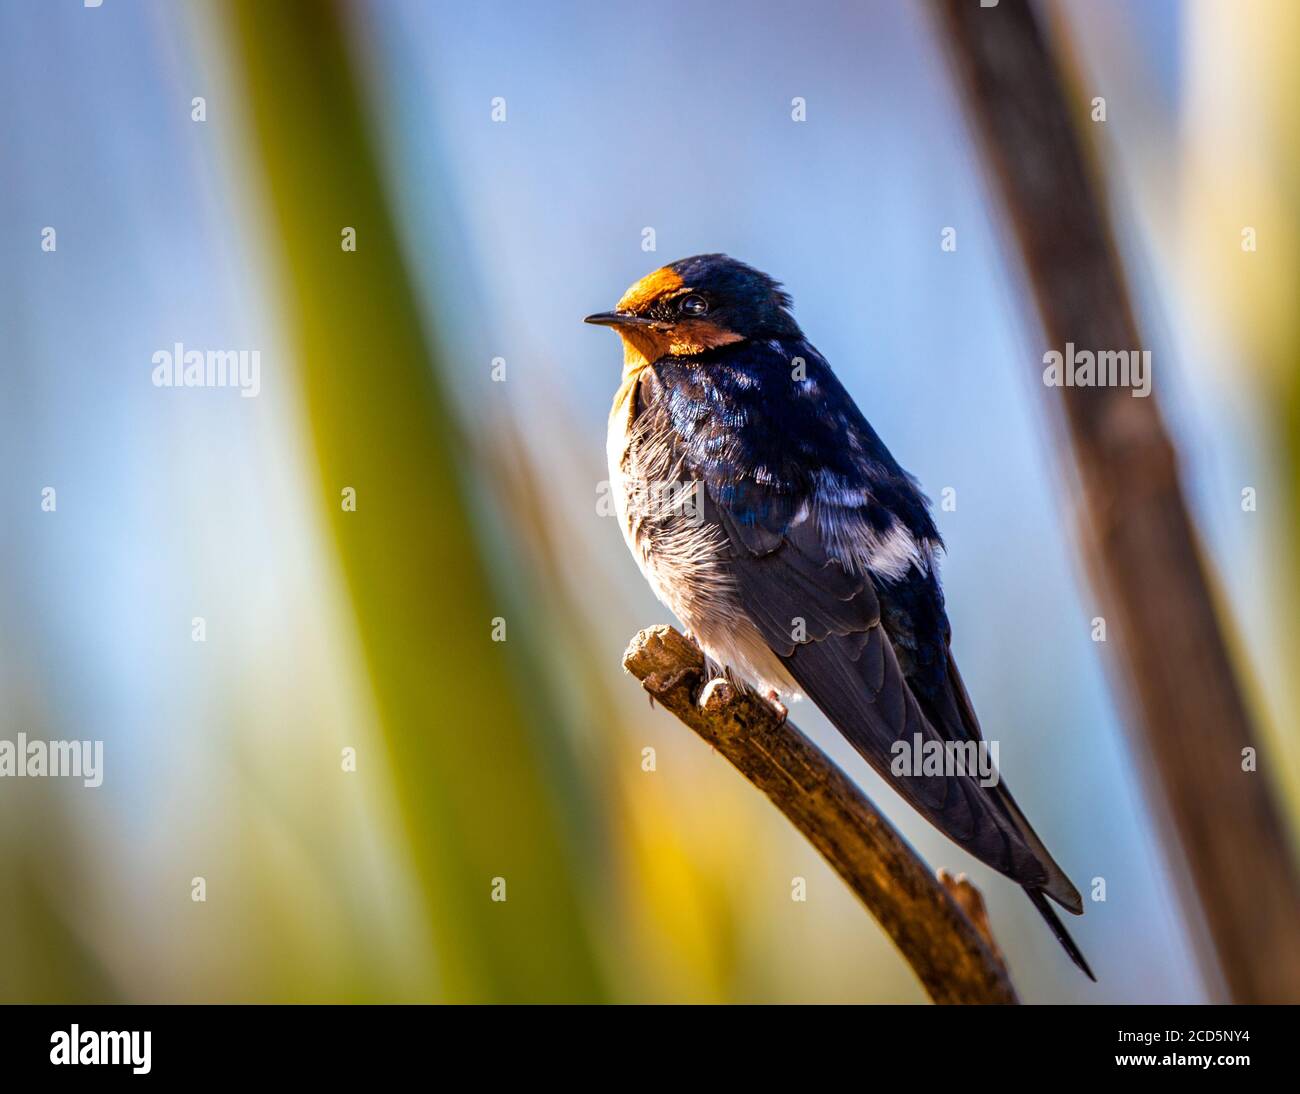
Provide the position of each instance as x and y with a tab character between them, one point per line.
833	558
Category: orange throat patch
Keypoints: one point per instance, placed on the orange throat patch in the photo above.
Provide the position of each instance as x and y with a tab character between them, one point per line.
644	345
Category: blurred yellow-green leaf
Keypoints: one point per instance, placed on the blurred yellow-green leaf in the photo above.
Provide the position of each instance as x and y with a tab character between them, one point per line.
469	753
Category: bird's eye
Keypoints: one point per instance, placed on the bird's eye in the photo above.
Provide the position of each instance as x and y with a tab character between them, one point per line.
693	305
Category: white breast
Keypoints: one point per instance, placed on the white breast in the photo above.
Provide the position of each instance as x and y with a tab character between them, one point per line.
685	558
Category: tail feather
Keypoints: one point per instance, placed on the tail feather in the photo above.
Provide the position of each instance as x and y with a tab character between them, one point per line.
1058	929
1057	885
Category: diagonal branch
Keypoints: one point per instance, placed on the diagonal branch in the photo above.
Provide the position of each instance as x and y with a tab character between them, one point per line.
954	957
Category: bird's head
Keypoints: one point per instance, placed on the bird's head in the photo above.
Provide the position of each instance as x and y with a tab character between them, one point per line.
698	304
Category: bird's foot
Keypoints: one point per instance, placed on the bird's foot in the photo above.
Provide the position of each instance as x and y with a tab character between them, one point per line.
782	711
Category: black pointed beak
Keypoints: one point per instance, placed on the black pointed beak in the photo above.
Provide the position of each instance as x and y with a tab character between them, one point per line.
616	319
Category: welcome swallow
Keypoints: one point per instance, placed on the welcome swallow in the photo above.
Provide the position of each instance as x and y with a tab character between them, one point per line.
796	550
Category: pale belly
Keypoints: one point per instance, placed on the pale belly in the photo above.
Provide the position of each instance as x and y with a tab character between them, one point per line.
684	557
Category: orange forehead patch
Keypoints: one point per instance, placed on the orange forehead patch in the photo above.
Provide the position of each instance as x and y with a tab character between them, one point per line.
648	288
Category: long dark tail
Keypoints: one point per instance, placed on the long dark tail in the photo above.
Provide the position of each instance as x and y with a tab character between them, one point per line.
1058	929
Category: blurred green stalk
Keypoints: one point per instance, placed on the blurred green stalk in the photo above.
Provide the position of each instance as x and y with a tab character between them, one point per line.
467	753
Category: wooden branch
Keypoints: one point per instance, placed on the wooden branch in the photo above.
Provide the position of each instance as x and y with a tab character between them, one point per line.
1139	540
971	901
955	962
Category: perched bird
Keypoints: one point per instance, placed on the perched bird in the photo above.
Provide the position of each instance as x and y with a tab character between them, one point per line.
774	523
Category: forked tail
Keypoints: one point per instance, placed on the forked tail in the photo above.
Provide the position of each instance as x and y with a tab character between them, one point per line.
1058	929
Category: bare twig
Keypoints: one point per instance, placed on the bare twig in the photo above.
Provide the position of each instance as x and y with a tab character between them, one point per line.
1139	539
953	956
970	901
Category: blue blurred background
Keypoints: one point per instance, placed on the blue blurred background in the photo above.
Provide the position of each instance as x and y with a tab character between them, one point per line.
222	757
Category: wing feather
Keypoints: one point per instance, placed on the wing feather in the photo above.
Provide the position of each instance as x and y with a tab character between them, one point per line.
870	649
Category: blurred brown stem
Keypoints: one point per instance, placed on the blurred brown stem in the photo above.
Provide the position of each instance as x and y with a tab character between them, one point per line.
1139	540
953	955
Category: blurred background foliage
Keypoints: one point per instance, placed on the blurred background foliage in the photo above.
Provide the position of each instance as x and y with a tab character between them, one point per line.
372	629
477	762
